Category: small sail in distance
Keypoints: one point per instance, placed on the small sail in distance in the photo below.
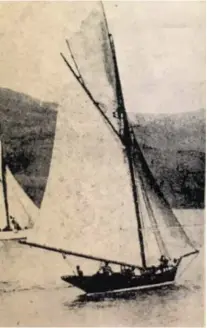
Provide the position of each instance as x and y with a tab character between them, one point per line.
17	210
20	203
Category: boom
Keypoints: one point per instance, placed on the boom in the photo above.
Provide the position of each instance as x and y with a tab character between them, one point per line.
89	257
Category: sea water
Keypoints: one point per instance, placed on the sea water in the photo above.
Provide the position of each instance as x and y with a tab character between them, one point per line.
32	293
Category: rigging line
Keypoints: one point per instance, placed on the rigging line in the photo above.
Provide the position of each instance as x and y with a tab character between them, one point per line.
95	103
144	231
187	266
159	239
67	261
105	20
74	61
140	223
141	228
137	212
25	210
172	243
176	226
158	236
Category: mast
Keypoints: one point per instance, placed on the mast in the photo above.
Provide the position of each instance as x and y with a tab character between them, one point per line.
127	137
3	169
127	140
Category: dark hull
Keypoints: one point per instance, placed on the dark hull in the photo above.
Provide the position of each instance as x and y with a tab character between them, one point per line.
117	282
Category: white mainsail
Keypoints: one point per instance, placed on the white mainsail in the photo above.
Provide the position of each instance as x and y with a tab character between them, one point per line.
88	205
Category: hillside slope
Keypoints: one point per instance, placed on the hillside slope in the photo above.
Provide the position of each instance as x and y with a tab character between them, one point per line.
174	146
28	130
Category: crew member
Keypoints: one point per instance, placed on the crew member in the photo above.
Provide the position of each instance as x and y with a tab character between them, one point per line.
128	271
15	224
163	262
107	269
79	271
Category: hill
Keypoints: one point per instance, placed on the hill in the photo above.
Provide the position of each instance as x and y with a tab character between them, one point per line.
27	129
174	146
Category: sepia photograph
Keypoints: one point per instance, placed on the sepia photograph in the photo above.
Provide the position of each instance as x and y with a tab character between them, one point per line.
102	163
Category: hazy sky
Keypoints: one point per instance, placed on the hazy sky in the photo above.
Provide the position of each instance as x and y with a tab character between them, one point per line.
160	49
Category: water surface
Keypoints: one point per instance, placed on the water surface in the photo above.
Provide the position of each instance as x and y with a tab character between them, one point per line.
32	294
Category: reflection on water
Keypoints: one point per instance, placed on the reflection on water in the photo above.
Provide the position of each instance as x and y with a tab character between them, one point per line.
106	300
168	292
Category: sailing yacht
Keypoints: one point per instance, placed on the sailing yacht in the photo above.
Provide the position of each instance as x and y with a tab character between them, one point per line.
15	220
119	217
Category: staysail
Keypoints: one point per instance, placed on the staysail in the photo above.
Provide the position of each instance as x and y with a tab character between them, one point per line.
94	185
161	228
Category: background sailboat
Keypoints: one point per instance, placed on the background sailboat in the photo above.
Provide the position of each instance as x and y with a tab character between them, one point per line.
107	199
16	208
